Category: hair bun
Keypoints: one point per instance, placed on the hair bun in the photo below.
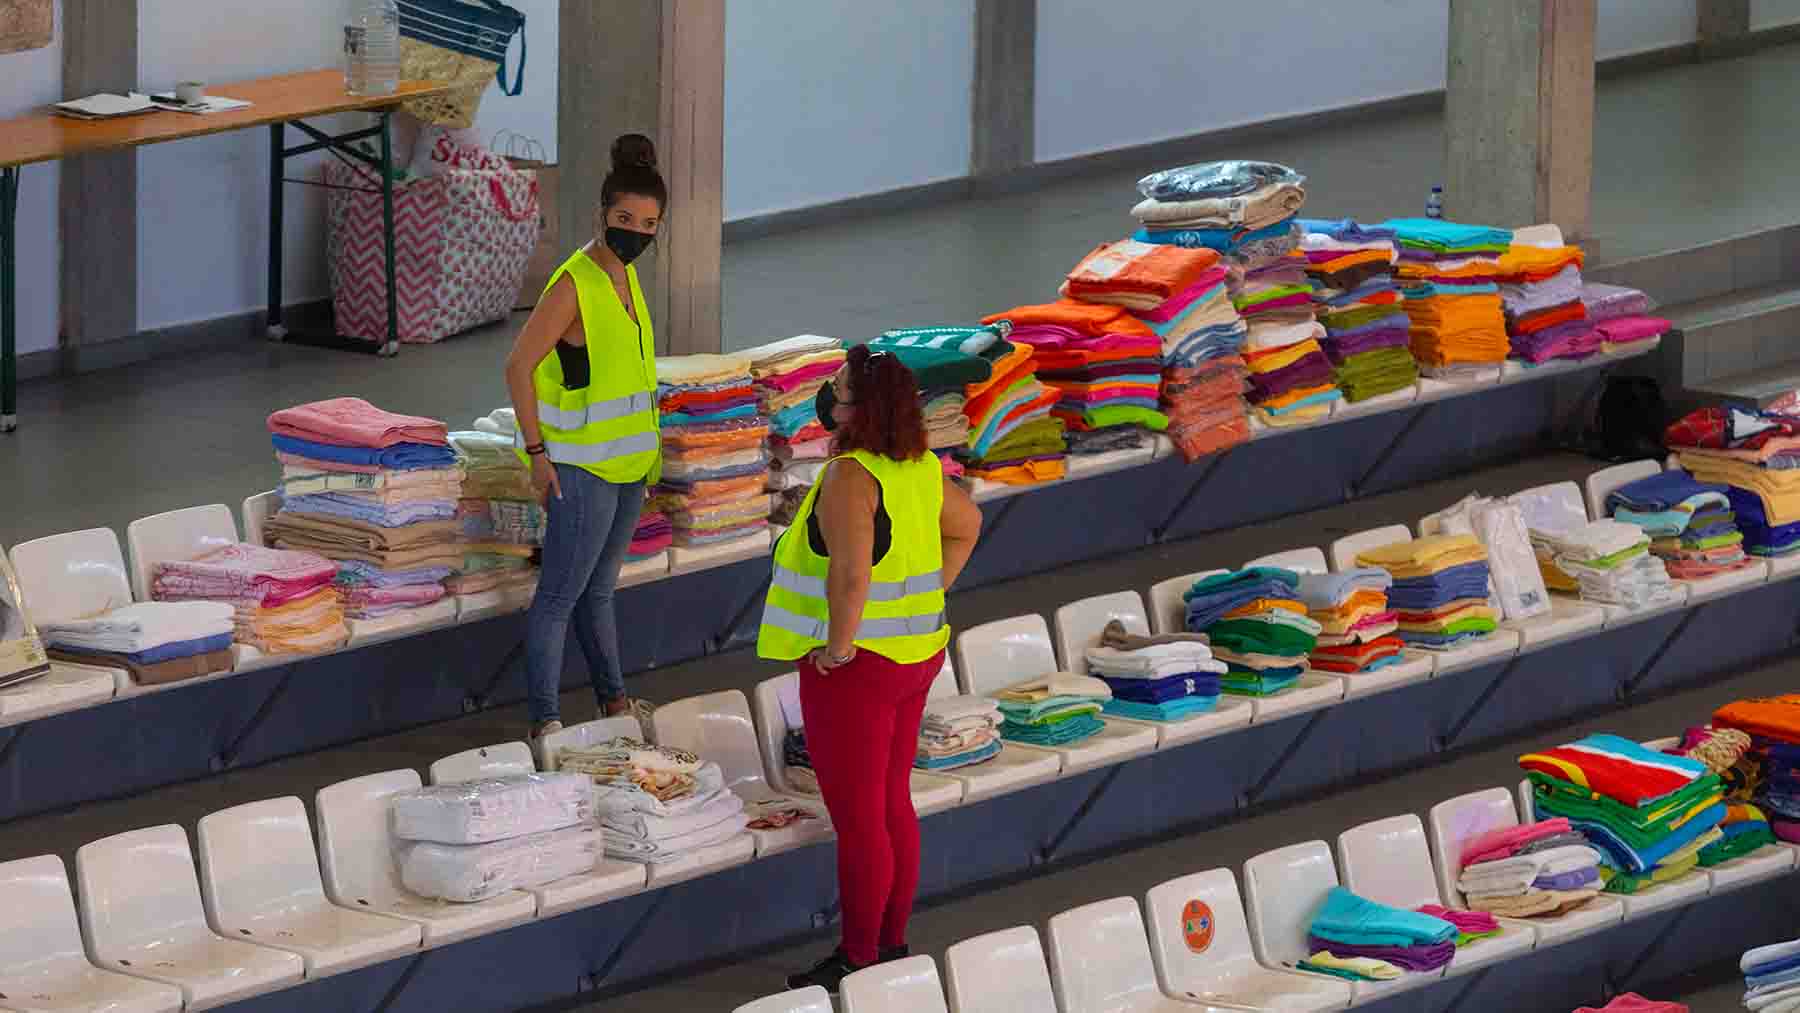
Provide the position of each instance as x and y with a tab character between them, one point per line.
634	151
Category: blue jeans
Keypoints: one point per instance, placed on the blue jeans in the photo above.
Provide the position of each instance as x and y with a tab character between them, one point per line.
589	530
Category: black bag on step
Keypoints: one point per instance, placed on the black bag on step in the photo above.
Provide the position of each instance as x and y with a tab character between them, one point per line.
1628	420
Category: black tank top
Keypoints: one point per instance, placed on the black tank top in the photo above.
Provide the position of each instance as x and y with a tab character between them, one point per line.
884	531
574	365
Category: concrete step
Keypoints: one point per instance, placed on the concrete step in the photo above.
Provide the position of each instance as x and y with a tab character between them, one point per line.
1678	277
1756	388
1741	332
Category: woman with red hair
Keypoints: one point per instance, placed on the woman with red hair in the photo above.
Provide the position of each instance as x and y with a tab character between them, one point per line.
857	598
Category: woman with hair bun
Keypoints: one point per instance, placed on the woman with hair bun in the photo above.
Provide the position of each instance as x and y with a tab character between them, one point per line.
857	599
582	374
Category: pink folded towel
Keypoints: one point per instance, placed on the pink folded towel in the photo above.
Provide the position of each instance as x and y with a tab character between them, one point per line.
1631	1002
1498	844
353	422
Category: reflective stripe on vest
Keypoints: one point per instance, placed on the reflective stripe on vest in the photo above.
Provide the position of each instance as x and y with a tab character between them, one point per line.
880	590
596	453
869	629
599	411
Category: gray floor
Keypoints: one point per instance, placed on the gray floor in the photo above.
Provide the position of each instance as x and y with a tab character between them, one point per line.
1682	157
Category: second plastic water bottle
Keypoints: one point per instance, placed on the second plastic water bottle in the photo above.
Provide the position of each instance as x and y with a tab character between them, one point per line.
372	48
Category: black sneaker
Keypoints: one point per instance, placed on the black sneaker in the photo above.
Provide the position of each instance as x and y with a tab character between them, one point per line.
889	954
827	973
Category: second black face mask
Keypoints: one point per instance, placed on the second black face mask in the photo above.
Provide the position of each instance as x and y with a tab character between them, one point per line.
627	244
825	402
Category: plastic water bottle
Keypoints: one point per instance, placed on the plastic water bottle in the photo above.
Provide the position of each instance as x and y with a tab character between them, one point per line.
1434	204
372	48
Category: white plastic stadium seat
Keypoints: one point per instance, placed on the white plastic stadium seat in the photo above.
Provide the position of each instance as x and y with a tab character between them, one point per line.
259	876
41	958
141	915
900	986
507	759
1200	940
1100	962
811	999
1000	972
173	537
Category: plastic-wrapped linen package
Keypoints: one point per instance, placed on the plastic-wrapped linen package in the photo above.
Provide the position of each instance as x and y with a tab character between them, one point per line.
493	810
467	874
1514	579
1215	179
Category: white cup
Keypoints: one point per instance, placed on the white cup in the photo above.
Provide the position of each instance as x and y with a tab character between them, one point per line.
190	92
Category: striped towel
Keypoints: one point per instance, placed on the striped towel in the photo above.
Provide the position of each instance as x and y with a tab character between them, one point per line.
1617	768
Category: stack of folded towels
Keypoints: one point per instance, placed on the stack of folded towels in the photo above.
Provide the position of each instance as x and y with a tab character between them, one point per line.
502	523
715	468
282	602
656	804
1756	455
1772	978
1440	590
1693	527
1352	271
1204	375
651	538
467	843
1108	388
1621	315
1727	753
1156	678
1237	207
155	641
1057	710
1605	561
374	491
788	376
1534	870
1540	291
958	731
1355	938
1774	761
1448	276
1013	438
1356	625
1647	813
1257	627
1290	378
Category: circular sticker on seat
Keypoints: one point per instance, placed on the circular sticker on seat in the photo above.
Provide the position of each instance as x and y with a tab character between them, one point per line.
1197	925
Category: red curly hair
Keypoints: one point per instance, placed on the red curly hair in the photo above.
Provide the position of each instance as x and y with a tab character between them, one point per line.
886	419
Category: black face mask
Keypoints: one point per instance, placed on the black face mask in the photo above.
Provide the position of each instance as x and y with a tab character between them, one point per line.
627	244
825	402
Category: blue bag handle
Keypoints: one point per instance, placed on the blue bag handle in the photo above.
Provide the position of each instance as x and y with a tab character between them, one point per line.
518	16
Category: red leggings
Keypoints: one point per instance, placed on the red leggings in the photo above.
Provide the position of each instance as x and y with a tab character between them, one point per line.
862	730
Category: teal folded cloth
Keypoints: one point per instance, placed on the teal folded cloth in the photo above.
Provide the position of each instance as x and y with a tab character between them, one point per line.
1050	709
967	759
1059	733
1358	921
1168	710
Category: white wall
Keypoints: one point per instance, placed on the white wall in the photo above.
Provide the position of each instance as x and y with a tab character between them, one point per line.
28	80
1174	68
829	99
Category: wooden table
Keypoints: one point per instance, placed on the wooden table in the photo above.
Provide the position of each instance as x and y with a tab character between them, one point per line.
277	103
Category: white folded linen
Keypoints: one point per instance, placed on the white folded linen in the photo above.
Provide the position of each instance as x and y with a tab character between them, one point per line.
632	849
1512	877
144	626
946	710
615	797
493	810
467	873
713	809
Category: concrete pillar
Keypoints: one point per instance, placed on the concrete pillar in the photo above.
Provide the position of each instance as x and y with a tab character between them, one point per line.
1002	118
1724	27
1519	113
98	202
655	67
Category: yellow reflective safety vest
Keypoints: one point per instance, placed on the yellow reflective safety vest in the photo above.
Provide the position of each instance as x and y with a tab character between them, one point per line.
608	427
904	618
